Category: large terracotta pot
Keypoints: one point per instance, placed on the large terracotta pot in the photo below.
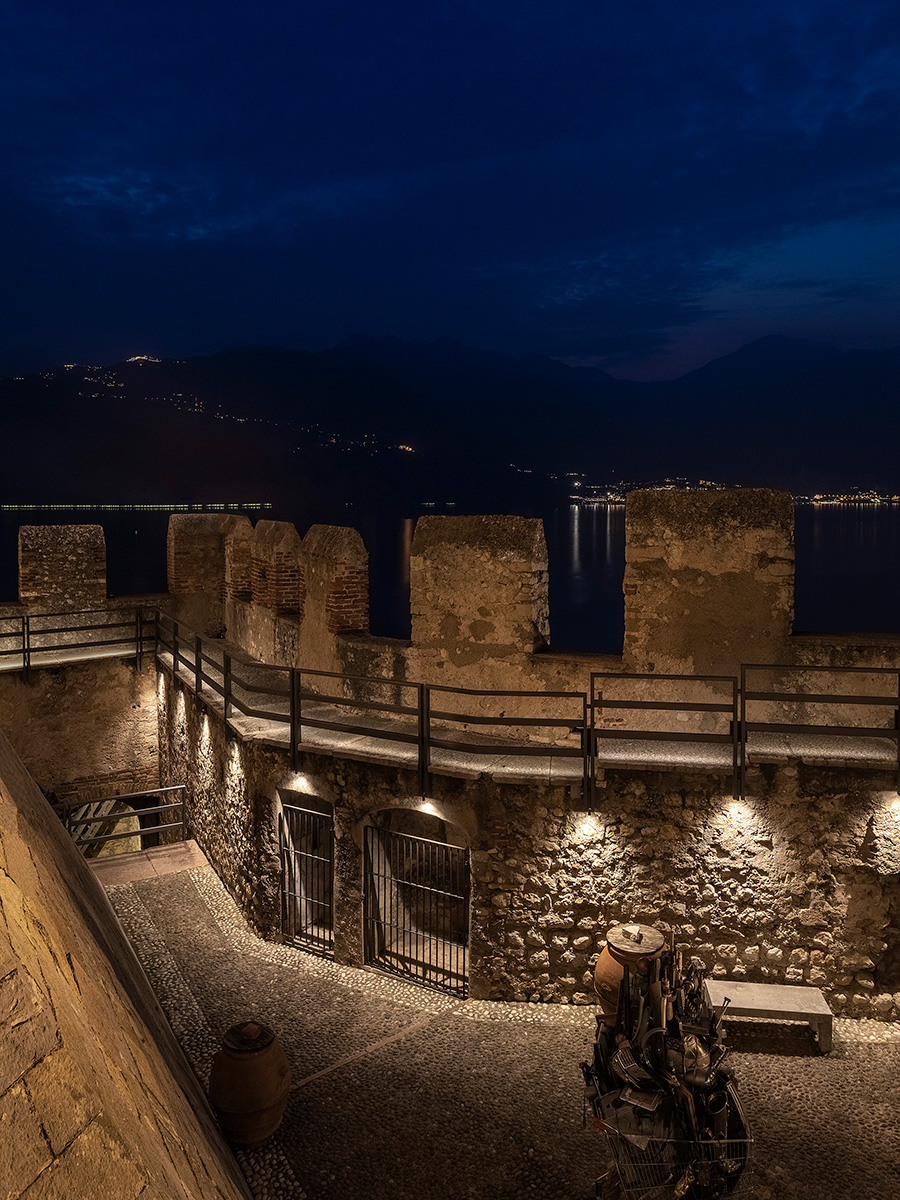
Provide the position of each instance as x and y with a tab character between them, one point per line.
249	1084
631	946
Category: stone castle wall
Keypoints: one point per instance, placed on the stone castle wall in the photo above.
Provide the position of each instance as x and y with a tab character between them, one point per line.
800	883
96	1098
62	565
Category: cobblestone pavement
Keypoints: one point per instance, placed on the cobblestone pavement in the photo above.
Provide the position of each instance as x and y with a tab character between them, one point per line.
402	1093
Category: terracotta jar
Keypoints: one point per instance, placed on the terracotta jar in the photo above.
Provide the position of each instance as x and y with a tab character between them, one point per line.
249	1084
631	946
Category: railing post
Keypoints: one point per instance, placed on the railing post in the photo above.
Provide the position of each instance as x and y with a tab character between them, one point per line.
138	638
198	663
737	775
226	685
424	732
174	647
742	731
587	757
295	717
26	648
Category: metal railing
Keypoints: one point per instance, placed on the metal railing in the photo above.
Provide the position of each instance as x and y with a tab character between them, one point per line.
53	639
600	702
804	700
82	818
284	696
427	719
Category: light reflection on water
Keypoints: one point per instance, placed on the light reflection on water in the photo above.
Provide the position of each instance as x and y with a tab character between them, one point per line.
848	567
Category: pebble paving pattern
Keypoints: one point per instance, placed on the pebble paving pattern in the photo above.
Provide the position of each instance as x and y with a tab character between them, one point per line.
405	1094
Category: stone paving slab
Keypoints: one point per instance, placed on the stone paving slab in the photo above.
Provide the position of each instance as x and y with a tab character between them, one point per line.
148	864
405	1094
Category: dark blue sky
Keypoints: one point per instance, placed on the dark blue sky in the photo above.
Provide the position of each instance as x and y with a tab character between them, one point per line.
642	186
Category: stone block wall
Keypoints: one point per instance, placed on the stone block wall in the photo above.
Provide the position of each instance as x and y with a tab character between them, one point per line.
96	1098
277	577
798	884
88	729
478	587
239	562
338	569
62	566
195	556
709	579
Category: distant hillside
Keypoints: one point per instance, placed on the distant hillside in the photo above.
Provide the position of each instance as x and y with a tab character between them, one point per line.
381	421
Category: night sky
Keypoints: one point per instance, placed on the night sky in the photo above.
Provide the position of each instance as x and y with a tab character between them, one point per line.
639	186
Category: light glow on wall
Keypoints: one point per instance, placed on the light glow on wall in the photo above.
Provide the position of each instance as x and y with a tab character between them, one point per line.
297	782
587	825
427	807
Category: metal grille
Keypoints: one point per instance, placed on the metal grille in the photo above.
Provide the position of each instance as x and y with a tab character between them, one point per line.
653	1173
307	878
417	909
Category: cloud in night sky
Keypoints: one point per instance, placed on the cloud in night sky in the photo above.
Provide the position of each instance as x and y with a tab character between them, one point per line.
641	188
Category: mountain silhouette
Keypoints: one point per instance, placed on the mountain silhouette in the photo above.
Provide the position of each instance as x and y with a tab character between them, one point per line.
381	420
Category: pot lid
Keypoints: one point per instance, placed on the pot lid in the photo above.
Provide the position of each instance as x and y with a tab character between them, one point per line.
248	1036
636	939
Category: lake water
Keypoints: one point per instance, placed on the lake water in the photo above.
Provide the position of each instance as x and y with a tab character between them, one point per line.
848	566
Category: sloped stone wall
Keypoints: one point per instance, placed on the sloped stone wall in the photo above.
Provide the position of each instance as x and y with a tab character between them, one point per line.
96	1099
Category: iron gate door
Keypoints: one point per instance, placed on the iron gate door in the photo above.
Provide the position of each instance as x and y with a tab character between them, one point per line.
416	900
307	878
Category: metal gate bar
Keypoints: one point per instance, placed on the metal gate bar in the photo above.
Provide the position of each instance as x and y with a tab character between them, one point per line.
416	909
307	878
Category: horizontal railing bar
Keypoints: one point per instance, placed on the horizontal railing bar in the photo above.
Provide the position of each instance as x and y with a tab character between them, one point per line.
83	629
357	678
387	735
261	713
261	689
675	705
652	675
504	750
824	730
129	833
477	719
651	735
349	702
796	669
125	641
131	812
173	787
822	698
217	686
446	687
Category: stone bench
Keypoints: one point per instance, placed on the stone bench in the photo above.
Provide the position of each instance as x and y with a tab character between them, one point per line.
777	1002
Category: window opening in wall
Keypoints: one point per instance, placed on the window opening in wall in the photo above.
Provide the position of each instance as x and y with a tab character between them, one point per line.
416	901
306	839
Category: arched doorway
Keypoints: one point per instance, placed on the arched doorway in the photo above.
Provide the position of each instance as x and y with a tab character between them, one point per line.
306	841
416	899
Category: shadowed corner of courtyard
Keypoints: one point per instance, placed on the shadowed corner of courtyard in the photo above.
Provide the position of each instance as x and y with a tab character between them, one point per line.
404	1093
